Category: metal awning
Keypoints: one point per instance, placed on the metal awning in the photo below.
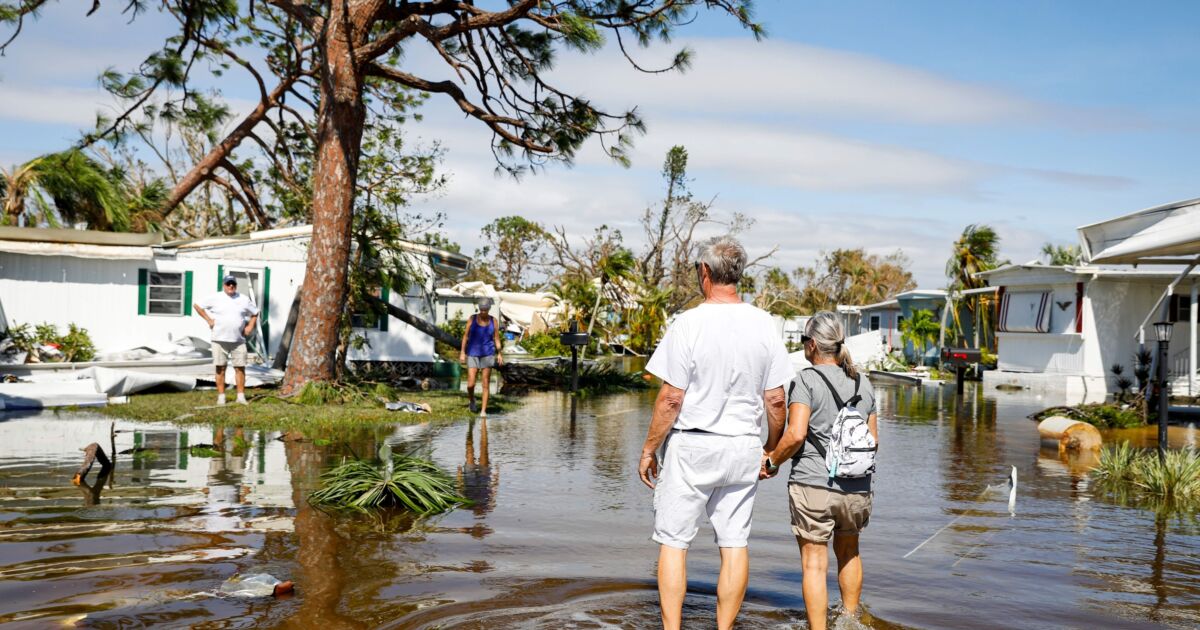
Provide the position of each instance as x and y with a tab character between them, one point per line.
1168	234
78	250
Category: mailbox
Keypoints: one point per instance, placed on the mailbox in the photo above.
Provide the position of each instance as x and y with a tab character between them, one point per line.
571	339
957	357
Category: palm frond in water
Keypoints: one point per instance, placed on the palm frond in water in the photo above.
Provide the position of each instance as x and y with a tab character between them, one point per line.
410	483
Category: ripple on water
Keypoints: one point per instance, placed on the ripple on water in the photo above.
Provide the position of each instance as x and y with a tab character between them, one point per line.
602	605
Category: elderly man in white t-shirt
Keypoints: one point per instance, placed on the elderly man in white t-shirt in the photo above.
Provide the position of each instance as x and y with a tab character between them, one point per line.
722	365
232	317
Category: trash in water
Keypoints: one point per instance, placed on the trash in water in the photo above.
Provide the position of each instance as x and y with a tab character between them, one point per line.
409	407
256	585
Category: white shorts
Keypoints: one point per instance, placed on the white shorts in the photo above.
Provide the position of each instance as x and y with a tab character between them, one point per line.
705	473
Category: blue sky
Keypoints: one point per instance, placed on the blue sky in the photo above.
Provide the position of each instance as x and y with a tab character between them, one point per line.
884	125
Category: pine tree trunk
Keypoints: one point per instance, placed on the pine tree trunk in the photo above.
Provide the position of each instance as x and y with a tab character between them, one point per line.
339	138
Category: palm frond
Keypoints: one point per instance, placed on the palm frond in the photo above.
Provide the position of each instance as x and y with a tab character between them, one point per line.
409	483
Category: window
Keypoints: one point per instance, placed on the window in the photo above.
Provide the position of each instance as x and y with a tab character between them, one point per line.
164	292
371	319
874	322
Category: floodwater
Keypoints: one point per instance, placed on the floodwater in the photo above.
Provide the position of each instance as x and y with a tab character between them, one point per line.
558	534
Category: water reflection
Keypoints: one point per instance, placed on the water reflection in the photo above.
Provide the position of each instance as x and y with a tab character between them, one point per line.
477	480
321	578
564	540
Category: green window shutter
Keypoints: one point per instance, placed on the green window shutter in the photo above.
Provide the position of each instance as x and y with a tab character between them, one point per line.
143	289
187	293
220	277
264	309
384	293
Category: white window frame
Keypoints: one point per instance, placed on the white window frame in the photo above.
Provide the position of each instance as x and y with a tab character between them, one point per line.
150	286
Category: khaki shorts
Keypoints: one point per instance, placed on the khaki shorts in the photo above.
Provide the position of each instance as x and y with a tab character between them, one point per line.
818	513
226	352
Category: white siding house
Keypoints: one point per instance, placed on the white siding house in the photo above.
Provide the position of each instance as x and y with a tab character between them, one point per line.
1060	329
131	290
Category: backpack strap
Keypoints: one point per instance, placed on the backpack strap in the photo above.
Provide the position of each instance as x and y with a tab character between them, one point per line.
837	399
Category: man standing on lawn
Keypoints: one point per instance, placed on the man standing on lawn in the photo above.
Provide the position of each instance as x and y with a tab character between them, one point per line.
232	317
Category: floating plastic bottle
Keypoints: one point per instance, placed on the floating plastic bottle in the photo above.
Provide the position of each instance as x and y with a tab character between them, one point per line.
256	585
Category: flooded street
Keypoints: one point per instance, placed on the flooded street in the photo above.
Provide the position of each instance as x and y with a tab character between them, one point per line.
558	536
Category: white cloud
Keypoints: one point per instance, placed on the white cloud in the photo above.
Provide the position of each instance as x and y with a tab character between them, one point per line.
776	77
768	155
51	104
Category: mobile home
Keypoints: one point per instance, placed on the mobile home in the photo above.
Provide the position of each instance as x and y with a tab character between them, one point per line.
133	290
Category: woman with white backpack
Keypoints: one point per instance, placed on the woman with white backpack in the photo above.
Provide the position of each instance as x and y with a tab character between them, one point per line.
831	437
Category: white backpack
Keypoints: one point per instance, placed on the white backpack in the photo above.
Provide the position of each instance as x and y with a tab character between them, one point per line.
852	448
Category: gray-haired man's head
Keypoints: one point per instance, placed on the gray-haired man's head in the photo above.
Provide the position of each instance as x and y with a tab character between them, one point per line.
725	259
484	304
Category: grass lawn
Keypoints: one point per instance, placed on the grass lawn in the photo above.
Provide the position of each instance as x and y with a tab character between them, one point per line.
268	412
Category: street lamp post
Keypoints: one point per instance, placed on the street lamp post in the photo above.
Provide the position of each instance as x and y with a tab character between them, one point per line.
1162	330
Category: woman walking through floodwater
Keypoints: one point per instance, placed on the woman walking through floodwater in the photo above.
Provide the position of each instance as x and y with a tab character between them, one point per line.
481	351
827	503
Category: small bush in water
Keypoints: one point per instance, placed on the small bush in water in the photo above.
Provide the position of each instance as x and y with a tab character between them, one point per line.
401	481
1174	481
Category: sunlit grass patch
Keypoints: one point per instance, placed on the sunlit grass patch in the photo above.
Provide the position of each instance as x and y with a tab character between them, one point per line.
268	412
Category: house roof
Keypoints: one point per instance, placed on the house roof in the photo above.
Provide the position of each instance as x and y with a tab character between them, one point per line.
121	245
82	237
922	293
894	301
1166	234
1083	270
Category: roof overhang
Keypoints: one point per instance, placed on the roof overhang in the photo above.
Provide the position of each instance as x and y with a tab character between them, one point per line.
77	250
1167	234
85	237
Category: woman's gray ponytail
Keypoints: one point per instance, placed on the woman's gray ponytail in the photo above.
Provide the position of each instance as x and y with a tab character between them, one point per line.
826	330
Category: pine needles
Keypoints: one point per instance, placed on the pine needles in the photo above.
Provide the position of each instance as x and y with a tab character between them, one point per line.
401	481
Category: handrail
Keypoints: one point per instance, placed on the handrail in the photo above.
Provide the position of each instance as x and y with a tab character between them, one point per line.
1170	290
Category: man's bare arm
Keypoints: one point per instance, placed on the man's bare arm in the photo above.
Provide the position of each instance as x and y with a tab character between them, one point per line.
666	410
776	403
202	314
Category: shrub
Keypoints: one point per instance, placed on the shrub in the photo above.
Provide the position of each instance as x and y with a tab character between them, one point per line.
544	344
401	481
1100	415
76	345
1139	476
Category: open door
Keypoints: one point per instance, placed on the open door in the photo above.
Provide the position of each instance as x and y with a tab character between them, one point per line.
254	284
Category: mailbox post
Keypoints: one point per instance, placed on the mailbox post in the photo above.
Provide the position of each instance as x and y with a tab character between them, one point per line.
574	340
960	358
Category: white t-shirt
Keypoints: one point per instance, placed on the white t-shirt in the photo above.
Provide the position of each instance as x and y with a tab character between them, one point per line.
230	314
724	356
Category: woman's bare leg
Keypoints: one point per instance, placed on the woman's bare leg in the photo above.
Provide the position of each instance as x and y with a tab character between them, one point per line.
850	572
487	386
471	386
815	559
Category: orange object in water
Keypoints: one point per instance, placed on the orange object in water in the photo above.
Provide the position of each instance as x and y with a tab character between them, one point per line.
284	588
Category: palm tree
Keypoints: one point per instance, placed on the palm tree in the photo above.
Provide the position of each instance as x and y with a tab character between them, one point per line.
1061	255
920	329
614	266
975	251
64	188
